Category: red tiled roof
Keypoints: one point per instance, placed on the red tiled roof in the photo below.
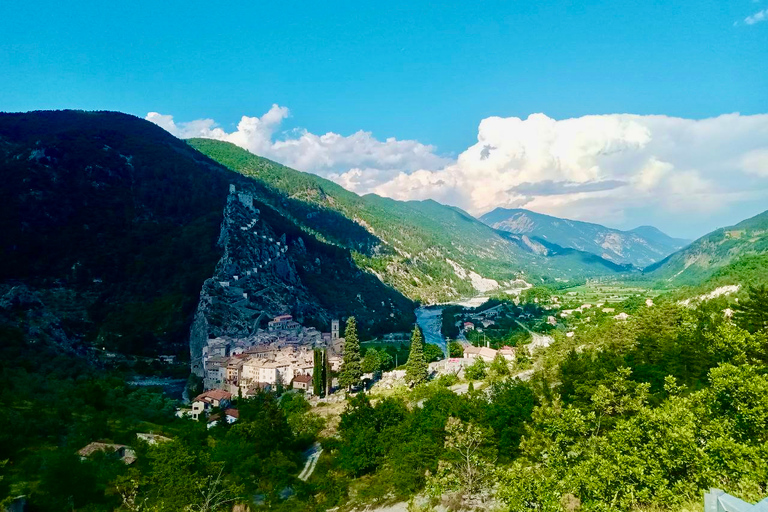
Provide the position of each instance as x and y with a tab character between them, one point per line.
302	378
232	412
214	394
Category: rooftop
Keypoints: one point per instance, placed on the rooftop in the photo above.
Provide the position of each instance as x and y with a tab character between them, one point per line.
213	394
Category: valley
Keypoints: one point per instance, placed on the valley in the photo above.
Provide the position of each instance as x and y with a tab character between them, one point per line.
182	319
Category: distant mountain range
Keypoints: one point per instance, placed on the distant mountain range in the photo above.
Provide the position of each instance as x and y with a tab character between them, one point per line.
640	247
117	234
428	251
737	250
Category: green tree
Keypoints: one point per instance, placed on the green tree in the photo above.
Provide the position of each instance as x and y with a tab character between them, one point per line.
499	368
327	376
371	361
752	313
416	369
469	458
455	349
351	367
317	372
477	370
432	353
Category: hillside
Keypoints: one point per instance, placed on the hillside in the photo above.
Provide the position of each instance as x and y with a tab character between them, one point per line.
428	251
641	246
729	251
111	227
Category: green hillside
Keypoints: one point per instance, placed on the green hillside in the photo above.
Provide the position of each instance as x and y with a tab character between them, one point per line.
408	244
716	255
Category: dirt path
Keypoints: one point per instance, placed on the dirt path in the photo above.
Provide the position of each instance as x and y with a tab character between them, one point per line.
313	454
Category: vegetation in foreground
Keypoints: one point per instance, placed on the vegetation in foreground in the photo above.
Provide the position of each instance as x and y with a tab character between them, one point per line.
626	415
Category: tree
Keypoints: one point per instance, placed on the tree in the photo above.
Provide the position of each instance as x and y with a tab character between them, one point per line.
432	353
327	376
499	368
455	349
351	367
416	369
752	313
476	370
469	458
386	361
371	361
317	372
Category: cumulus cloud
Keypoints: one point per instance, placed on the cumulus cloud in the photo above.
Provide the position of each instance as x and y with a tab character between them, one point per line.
595	168
330	155
598	167
757	17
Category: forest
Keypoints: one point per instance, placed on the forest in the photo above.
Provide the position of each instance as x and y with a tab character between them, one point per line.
627	415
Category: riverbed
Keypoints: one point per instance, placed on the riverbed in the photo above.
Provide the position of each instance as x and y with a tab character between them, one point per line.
430	321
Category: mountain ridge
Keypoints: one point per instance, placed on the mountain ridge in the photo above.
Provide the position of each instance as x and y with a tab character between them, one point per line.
112	226
716	250
640	246
421	242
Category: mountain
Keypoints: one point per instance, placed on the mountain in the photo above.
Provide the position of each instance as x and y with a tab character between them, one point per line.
725	252
115	233
428	251
641	246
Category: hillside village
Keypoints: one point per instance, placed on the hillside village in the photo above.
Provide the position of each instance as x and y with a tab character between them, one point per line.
280	356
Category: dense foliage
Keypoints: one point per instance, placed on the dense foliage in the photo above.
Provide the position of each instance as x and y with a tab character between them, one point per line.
351	367
416	369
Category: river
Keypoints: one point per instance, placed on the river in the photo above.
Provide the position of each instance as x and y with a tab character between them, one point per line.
430	320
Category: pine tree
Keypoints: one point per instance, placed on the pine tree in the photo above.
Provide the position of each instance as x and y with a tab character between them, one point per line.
752	312
351	367
416	369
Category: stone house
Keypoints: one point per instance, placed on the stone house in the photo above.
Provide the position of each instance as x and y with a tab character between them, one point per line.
204	402
303	383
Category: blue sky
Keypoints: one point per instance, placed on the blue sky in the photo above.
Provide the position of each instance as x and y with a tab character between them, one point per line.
423	71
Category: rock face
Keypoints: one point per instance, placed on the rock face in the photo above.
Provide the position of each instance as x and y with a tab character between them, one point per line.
111	227
255	279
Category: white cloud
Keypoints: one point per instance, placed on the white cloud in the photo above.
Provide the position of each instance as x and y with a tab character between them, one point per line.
329	155
757	17
756	162
601	168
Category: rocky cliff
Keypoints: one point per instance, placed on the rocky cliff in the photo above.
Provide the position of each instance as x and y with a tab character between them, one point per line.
111	227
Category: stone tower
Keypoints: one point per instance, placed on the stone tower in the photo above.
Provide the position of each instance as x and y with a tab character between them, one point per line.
334	330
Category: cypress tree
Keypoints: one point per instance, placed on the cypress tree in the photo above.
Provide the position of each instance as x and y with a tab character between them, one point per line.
351	367
416	369
317	373
327	374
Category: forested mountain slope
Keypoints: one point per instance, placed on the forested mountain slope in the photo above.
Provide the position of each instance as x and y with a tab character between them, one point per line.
427	250
111	226
720	250
640	246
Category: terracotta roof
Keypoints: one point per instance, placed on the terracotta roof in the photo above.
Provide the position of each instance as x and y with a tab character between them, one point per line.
213	394
302	378
232	412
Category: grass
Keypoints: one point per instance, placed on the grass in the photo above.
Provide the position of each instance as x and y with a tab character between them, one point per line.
614	292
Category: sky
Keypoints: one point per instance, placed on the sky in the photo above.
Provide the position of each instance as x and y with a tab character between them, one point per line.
617	112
